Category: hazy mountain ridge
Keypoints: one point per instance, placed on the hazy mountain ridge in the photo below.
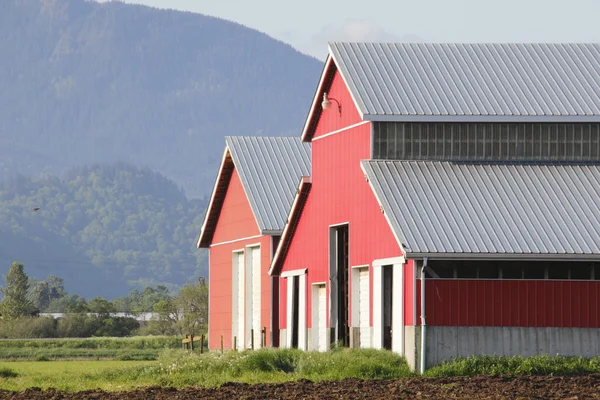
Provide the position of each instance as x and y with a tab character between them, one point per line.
87	82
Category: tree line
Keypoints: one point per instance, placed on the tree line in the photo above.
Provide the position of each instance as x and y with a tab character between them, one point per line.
25	300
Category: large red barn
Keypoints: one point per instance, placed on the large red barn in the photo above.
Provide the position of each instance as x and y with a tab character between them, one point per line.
454	203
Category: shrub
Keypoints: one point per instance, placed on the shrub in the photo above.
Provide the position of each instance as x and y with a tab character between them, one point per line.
496	365
28	327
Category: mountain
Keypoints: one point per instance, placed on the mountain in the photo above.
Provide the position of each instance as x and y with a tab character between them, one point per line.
104	229
85	82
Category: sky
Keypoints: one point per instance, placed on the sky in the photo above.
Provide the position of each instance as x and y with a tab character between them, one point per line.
309	24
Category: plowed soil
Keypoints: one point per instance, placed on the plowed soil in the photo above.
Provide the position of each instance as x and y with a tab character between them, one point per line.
500	387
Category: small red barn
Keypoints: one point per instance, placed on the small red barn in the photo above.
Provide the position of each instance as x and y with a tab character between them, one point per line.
251	199
454	203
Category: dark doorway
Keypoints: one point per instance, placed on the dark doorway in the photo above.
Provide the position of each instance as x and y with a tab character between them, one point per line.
342	331
295	309
387	306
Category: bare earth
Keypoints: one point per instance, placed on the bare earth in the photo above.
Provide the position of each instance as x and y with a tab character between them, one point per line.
500	387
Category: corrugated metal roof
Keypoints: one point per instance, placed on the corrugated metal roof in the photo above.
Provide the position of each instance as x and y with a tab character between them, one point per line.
444	207
270	169
484	80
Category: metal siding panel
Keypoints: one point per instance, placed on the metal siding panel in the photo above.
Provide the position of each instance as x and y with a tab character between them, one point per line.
446	207
471	79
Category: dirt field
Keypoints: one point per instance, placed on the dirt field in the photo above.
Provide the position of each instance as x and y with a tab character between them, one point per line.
526	387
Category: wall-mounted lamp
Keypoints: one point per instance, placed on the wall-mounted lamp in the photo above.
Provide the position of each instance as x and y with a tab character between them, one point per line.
326	104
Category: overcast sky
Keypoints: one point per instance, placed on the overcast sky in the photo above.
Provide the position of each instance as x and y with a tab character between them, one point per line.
309	24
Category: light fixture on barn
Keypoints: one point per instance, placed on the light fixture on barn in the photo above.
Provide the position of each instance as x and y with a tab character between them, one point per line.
326	104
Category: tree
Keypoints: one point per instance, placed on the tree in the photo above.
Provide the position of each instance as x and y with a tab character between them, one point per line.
192	300
16	301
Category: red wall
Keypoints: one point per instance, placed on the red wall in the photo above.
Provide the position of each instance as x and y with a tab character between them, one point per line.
535	303
236	221
339	194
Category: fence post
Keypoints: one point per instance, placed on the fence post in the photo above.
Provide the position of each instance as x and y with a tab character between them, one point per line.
192	342
251	339
202	344
221	344
235	343
263	336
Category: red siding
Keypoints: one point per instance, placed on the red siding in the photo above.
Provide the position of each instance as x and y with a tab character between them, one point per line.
331	120
339	194
541	303
235	222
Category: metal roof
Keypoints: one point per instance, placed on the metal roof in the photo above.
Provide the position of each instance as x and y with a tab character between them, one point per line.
446	81
270	169
437	208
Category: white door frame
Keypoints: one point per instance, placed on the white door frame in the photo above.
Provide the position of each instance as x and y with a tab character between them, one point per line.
355	300
301	276
397	263
252	287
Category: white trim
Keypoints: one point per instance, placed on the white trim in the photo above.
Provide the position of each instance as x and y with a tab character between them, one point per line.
288	313
296	272
340	130
236	240
339	224
302	333
316	97
237	290
319	283
316	324
360	266
377	338
398	308
388	261
480	118
212	196
356	301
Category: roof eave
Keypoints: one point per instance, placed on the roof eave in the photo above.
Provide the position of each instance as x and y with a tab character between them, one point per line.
481	118
503	256
205	238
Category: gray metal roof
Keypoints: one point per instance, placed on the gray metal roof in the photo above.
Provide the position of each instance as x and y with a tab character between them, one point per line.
270	169
531	81
439	208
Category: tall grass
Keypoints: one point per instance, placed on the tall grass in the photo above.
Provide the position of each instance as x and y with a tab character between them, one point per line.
139	342
136	348
179	368
496	365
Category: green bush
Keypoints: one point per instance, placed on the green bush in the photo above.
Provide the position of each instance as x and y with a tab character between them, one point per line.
28	327
496	365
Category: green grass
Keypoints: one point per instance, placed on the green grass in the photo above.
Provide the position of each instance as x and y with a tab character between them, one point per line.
65	375
136	348
496	365
177	368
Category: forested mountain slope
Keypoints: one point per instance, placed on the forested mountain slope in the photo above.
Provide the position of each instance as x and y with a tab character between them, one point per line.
104	229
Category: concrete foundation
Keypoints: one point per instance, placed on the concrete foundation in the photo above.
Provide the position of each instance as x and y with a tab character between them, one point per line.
444	343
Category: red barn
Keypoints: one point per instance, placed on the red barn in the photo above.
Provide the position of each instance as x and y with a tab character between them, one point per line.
454	203
251	199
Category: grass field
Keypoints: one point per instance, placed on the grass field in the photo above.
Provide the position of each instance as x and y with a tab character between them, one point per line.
65	375
125	349
178	368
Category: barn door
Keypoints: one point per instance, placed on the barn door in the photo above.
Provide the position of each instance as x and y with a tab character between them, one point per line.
363	308
320	337
238	300
254	314
296	309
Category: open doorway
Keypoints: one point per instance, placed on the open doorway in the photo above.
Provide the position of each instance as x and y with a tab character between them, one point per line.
387	306
339	275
